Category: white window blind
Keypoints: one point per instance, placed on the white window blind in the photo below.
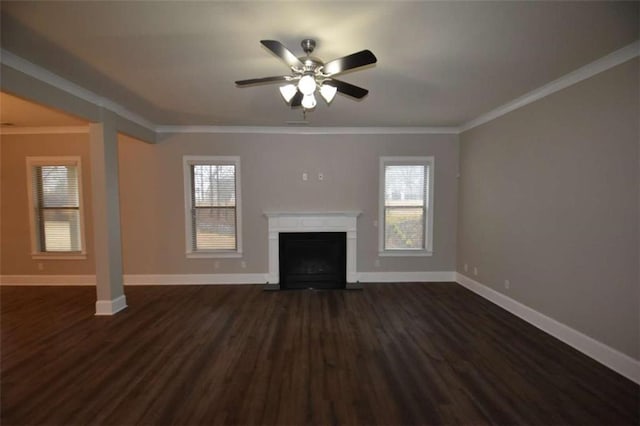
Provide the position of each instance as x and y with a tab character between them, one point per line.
405	195
57	208
213	207
406	206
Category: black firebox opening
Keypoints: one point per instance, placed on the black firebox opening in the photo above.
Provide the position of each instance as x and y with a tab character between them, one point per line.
313	260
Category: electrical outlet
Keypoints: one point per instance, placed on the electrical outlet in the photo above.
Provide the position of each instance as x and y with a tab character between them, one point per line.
305	176
40	266
507	284
243	264
466	267
475	271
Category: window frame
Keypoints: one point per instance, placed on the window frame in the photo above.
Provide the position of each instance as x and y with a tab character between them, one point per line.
429	163
35	233
187	162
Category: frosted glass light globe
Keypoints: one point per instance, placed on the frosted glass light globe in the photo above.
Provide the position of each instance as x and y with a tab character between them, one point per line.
308	101
307	85
288	92
328	92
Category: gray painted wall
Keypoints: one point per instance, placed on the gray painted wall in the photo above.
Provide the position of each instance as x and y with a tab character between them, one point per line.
152	194
548	199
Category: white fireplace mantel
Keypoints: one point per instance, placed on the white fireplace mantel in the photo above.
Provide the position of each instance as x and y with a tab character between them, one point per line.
336	221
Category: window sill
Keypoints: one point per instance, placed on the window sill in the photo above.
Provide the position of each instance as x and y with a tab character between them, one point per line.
58	256
212	255
405	253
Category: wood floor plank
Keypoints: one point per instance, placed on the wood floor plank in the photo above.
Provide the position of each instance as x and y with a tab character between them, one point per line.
415	353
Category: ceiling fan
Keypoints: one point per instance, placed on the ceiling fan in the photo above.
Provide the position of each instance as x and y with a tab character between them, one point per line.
309	74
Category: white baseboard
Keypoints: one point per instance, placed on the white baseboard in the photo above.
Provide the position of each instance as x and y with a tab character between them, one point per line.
195	279
134	279
111	307
214	279
404	277
48	280
606	355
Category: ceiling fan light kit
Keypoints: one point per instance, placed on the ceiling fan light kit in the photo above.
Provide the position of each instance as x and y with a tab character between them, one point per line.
309	74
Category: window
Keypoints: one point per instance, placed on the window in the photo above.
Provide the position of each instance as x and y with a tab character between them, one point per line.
406	206
55	198
212	200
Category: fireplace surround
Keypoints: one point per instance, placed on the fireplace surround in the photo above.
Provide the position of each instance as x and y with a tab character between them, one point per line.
335	221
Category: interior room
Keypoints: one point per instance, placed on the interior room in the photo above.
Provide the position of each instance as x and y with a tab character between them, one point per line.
320	212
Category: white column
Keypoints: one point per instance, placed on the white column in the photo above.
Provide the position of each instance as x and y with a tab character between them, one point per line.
107	250
352	256
273	277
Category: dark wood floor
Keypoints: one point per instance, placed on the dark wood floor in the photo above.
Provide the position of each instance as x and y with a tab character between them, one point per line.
392	354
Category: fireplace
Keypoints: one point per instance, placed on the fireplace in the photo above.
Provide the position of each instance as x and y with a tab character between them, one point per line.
316	260
344	222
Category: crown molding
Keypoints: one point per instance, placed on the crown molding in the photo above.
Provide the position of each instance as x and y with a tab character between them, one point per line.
283	130
35	71
609	61
44	130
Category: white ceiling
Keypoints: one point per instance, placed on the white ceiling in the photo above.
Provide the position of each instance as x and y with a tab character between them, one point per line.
439	63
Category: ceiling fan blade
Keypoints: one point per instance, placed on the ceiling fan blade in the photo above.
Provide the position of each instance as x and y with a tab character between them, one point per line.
282	52
355	60
262	80
296	101
348	88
